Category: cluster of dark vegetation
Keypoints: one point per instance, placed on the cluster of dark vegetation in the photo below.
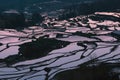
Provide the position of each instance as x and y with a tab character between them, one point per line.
14	59
89	8
100	72
11	20
41	47
19	20
34	19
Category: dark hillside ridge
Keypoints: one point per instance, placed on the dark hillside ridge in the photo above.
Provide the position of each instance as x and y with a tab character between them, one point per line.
89	8
46	4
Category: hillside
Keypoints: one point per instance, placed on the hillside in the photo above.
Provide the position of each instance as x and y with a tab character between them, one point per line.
60	40
90	8
80	45
45	4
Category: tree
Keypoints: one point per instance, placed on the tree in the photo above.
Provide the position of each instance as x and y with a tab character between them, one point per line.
36	18
12	20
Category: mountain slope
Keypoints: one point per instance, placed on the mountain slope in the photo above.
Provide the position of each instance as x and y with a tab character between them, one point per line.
21	4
